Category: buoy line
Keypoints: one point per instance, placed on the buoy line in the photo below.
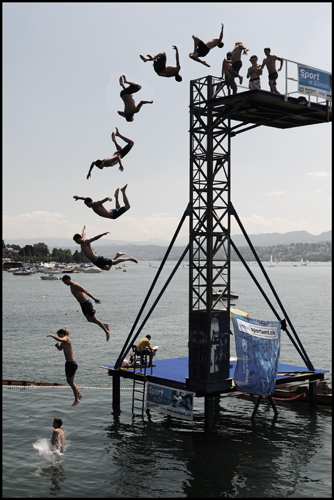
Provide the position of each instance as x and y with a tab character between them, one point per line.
61	387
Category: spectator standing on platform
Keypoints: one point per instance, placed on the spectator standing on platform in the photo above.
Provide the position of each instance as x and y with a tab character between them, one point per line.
226	73
270	62
98	260
86	305
130	106
116	157
253	73
201	49
58	435
159	65
70	365
100	209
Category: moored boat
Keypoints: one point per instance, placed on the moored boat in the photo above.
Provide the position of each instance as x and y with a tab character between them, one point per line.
22	272
93	269
291	392
233	295
50	277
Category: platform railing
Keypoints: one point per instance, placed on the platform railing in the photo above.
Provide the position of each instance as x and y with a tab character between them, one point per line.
291	75
291	84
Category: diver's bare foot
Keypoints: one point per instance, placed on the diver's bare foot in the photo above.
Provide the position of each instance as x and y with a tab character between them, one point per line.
75	403
116	193
119	254
142	58
133	260
117	133
80	395
113	136
124	188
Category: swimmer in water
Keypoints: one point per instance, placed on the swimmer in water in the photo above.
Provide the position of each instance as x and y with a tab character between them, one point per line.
58	435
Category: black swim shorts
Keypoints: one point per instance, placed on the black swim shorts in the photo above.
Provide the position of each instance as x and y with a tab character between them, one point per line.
273	77
237	66
131	89
87	308
202	49
70	368
124	151
117	212
159	64
101	262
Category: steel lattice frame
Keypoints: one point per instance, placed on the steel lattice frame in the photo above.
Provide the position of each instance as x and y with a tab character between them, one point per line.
209	199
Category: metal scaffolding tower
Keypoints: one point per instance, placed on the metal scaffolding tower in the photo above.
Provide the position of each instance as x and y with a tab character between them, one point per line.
211	130
210	165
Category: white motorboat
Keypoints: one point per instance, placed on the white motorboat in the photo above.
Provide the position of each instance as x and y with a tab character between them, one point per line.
22	272
233	295
93	269
50	277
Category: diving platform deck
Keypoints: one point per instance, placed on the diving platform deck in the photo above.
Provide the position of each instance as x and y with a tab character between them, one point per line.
260	107
173	373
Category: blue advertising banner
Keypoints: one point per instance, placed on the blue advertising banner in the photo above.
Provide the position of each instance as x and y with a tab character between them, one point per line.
258	349
314	82
170	401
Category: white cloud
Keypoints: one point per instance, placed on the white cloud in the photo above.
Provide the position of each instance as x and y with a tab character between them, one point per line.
275	193
319	174
55	225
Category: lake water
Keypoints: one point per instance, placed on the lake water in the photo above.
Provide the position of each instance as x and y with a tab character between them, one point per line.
115	454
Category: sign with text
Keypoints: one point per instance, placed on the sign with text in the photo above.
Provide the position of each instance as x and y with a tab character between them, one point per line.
171	401
258	346
314	82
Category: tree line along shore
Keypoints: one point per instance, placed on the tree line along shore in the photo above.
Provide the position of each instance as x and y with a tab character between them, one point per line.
294	252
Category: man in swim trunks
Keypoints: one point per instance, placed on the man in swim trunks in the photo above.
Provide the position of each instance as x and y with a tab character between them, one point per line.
116	157
99	208
201	49
159	65
70	365
254	73
270	62
58	435
101	262
86	305
130	106
226	73
236	62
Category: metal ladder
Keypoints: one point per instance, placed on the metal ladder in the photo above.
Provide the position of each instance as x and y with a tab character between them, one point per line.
139	386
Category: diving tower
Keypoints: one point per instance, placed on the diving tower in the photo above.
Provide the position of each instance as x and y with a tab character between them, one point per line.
216	117
214	120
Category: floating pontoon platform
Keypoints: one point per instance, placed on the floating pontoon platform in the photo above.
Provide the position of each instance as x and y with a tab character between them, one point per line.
173	373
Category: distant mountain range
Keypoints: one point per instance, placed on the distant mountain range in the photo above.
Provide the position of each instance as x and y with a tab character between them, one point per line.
263	240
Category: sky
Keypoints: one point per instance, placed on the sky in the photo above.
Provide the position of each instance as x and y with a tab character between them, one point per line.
61	68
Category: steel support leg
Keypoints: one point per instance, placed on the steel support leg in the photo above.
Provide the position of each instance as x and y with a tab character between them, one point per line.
208	412
256	408
116	391
312	394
